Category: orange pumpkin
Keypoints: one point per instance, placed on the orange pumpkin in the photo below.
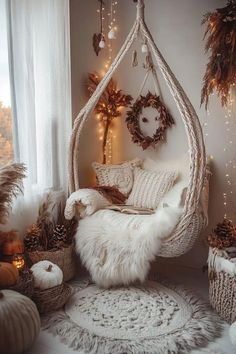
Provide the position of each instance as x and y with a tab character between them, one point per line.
8	274
12	247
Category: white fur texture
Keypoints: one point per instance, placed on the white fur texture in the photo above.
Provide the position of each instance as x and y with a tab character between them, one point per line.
220	263
117	248
84	202
232	334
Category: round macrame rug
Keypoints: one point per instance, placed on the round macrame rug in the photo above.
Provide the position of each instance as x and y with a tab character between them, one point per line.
150	318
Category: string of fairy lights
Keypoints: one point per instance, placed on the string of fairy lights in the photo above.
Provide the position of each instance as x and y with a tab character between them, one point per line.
107	42
230	164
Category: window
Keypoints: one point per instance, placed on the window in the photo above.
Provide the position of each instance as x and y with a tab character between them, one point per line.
6	136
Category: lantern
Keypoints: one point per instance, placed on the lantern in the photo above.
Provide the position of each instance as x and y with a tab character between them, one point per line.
18	261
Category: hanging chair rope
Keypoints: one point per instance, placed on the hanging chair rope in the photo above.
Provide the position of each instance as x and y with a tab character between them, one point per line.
151	70
192	221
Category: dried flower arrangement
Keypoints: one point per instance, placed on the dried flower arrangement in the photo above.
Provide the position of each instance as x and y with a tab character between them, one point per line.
221	69
49	232
108	105
11	177
165	119
224	235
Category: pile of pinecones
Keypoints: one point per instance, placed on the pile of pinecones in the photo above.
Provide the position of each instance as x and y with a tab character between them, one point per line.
50	233
223	236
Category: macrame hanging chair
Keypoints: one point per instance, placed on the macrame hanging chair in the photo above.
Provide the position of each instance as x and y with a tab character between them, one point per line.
192	220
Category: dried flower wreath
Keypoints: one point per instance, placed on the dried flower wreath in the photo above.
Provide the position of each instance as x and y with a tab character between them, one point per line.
133	116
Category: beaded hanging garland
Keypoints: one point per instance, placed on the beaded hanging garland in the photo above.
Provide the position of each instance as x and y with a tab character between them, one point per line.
133	117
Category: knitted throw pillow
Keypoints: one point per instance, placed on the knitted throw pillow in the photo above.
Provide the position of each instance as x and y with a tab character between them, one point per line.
150	187
119	176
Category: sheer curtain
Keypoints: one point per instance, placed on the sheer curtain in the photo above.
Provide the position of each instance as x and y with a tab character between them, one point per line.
39	56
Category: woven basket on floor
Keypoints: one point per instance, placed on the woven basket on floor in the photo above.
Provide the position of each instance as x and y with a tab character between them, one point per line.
64	258
222	284
51	299
25	283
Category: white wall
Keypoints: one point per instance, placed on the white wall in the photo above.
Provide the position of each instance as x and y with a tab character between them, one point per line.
176	28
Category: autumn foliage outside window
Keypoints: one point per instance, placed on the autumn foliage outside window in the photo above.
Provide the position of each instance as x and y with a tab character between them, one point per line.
6	146
6	137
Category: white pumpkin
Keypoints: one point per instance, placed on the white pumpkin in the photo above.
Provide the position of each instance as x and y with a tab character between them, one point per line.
46	275
19	322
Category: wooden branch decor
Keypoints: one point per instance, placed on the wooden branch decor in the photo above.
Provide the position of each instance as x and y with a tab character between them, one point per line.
165	120
108	105
221	43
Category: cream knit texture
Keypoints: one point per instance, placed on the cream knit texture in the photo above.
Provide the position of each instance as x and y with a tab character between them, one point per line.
150	187
119	176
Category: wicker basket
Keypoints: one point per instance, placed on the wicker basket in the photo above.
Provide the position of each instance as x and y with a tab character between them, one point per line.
222	284
25	283
51	299
64	258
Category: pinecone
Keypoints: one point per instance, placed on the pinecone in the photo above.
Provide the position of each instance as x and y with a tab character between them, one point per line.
71	228
224	235
234	236
32	240
214	242
225	229
59	237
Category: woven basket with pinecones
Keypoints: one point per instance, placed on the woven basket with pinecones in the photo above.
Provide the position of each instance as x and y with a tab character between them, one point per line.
51	238
223	236
222	270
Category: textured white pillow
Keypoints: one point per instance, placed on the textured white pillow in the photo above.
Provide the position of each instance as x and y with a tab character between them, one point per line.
149	188
176	195
119	176
180	164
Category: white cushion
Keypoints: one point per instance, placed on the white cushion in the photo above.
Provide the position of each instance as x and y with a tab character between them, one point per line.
180	164
150	187
119	176
176	195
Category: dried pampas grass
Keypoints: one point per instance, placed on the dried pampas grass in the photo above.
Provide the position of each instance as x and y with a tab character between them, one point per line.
10	186
221	43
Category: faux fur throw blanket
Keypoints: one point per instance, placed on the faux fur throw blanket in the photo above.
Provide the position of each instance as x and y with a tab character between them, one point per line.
117	248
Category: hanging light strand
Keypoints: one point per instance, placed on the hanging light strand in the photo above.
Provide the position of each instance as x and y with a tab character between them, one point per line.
102	18
112	29
230	164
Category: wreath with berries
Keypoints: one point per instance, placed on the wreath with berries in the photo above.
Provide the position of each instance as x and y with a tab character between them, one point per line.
133	118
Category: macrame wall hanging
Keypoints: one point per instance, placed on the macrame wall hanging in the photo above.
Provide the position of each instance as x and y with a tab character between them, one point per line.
220	73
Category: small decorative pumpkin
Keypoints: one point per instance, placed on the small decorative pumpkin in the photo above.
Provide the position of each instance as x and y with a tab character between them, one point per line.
46	275
19	322
8	275
12	247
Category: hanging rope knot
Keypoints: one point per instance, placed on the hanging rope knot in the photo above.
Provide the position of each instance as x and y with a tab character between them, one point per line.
140	9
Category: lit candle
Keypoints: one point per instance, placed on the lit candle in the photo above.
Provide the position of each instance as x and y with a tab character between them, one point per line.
18	261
